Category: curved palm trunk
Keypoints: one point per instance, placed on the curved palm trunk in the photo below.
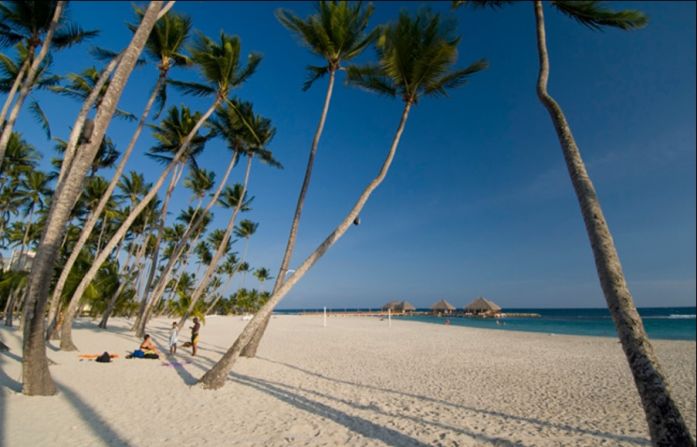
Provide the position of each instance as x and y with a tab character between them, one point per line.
666	424
179	249
94	216
29	80
198	293
10	306
66	332
251	349
36	376
13	91
156	249
215	377
125	274
82	117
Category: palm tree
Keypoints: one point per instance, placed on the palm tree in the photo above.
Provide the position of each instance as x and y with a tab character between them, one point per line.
337	33
262	274
171	134
81	85
252	135
415	56
43	79
227	268
37	23
36	376
245	230
666	424
164	46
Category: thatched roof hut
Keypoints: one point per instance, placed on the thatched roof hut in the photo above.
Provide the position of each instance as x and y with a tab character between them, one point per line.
482	305
399	307
442	306
406	306
392	305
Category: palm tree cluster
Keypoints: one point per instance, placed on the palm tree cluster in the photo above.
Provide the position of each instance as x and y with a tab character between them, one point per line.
111	244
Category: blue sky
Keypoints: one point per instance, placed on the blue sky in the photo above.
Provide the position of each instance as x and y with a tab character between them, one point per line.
477	201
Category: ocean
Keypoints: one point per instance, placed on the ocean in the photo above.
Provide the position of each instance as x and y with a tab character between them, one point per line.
661	323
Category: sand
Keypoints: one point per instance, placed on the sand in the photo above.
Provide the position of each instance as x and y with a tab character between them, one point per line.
355	382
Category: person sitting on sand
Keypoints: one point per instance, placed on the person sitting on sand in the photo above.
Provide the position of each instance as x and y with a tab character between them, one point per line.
148	345
194	336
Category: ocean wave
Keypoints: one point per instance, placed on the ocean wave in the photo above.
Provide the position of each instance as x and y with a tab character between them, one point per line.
671	317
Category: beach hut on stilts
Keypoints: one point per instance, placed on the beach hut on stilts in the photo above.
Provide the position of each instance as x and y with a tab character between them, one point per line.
442	307
483	307
399	307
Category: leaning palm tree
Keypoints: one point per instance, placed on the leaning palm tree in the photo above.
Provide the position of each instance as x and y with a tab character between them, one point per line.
163	46
170	134
415	57
262	274
252	137
221	67
36	23
337	34
36	376
666	424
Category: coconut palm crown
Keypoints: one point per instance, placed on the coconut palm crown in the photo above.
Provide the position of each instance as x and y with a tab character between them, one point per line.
414	59
337	32
590	13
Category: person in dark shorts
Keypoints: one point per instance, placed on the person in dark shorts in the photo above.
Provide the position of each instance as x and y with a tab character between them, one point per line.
194	335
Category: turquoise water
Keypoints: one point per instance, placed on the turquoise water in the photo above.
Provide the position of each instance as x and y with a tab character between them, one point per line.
667	323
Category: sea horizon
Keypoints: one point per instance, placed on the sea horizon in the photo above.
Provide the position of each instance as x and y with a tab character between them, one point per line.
661	323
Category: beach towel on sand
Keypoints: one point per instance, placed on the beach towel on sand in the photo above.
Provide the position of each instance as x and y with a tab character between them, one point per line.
94	356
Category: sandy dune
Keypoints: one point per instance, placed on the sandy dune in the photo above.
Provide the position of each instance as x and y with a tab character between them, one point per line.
355	382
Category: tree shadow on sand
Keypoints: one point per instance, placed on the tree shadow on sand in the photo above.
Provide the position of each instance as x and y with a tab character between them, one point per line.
356	424
543	423
92	418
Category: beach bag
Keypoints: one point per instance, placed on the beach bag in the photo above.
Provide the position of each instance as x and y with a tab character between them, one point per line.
138	353
104	358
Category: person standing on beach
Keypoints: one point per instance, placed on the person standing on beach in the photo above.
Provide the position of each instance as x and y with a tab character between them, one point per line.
194	336
173	339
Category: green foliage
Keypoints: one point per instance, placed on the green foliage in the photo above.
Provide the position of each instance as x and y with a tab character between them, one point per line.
415	56
171	134
336	33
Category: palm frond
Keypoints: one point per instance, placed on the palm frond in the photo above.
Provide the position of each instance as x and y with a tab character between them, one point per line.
371	78
128	116
313	73
70	34
41	118
192	88
455	79
481	3
593	15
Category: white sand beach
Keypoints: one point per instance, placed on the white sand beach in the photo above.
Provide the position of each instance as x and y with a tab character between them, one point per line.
355	382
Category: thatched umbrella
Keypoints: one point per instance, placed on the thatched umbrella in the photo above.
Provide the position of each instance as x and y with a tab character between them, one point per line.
406	306
392	305
442	306
482	305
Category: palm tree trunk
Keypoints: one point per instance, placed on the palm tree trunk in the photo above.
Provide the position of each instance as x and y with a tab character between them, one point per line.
215	377
125	276
198	293
13	90
82	117
10	305
66	332
251	349
94	216
666	424
176	253
156	249
29	80
36	376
